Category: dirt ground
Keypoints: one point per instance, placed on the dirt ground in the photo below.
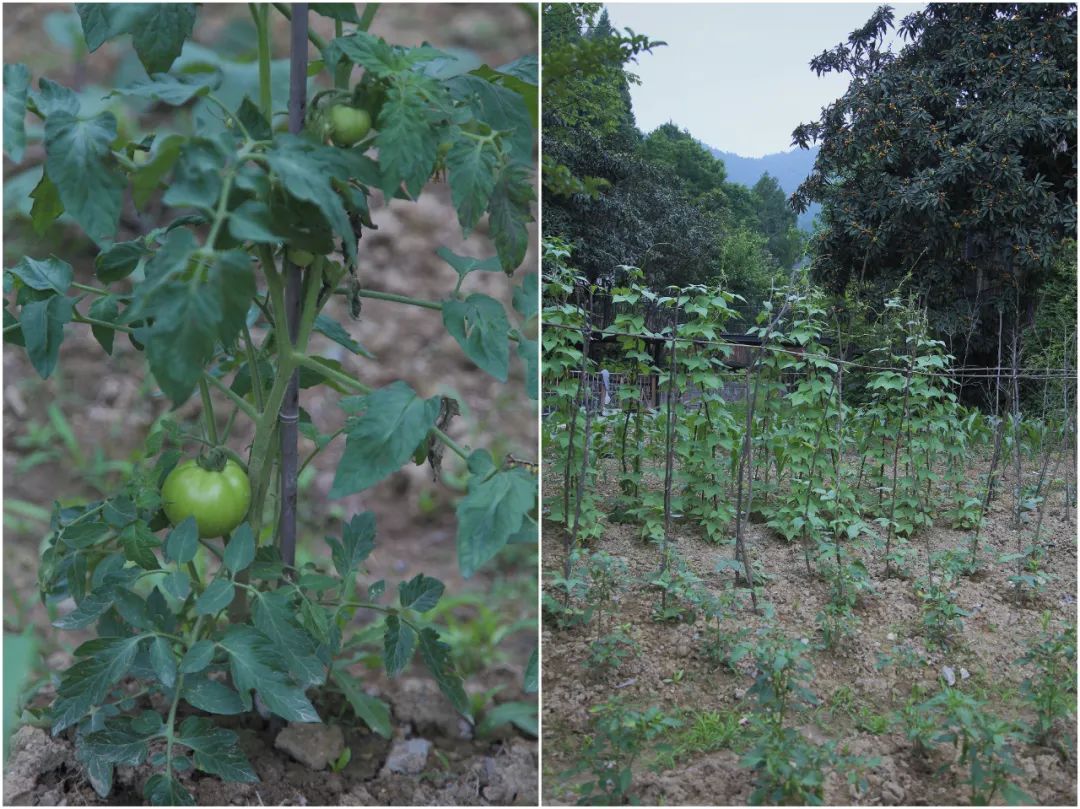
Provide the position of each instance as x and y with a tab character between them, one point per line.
106	409
673	673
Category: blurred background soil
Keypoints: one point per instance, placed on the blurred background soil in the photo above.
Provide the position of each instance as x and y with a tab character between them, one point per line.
73	437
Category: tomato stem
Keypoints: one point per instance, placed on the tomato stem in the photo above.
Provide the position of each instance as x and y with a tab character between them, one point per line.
244	406
209	422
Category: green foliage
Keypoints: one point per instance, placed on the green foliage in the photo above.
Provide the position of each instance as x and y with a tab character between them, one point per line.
617	736
610	651
213	623
968	201
1051	690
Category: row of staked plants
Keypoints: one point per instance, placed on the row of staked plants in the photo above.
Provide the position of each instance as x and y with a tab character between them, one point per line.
198	614
849	455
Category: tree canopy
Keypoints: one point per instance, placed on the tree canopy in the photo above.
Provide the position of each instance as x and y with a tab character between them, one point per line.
950	166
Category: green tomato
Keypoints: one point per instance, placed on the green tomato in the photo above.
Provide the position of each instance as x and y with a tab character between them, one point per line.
301	258
217	500
348	125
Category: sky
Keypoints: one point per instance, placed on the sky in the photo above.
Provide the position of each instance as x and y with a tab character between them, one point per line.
737	75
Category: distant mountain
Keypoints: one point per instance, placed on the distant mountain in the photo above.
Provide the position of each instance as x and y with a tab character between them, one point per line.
789	168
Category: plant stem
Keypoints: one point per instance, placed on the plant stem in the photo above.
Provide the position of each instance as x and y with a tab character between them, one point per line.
170	733
260	11
208	411
253	366
244	407
368	16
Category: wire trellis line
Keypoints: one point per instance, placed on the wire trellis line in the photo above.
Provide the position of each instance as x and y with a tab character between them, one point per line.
983	372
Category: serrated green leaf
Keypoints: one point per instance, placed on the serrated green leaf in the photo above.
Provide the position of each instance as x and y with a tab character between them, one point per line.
421	593
170	89
197	177
215	749
182	542
53	98
44	275
327	326
139	543
346	12
92	607
256	664
436	656
357	543
527	296
159	34
47	205
509	214
382	440
181	341
119	261
213	696
197	657
501	108
163	661
490	513
463	265
472	169
240	552
79	161
532	679
216	597
520	714
234	278
407	141
146	178
133	609
374	712
252	119
399	643
106	309
273	616
43	331
252	222
16	84
104	661
480	327
177	584
161	790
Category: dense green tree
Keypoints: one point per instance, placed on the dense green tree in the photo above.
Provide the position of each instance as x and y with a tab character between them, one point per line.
949	168
687	158
777	221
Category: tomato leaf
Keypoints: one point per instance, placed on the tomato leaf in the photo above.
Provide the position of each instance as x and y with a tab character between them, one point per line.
78	159
145	179
216	597
436	656
119	260
374	712
16	84
255	664
87	611
197	657
215	749
327	326
159	32
480	327
529	352
212	696
47	205
463	265
47	274
399	643
532	677
162	790
43	330
163	661
420	593
240	552
181	340
471	165
197	177
358	541
273	616
182	542
408	144
382	440
492	511
169	89
85	684
509	214
139	543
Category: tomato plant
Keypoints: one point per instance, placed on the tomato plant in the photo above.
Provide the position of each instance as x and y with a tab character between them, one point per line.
216	613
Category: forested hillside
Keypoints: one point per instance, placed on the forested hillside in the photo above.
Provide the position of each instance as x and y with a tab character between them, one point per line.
789	168
659	200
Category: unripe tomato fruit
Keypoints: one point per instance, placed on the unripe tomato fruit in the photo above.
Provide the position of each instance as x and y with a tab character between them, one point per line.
348	125
301	258
217	500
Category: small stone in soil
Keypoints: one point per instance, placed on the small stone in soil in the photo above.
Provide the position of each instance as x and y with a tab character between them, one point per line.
408	756
313	745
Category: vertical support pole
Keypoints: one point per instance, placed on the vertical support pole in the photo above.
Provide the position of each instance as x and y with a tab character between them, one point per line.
289	415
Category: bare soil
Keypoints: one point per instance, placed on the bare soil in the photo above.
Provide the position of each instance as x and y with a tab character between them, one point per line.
109	407
672	671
